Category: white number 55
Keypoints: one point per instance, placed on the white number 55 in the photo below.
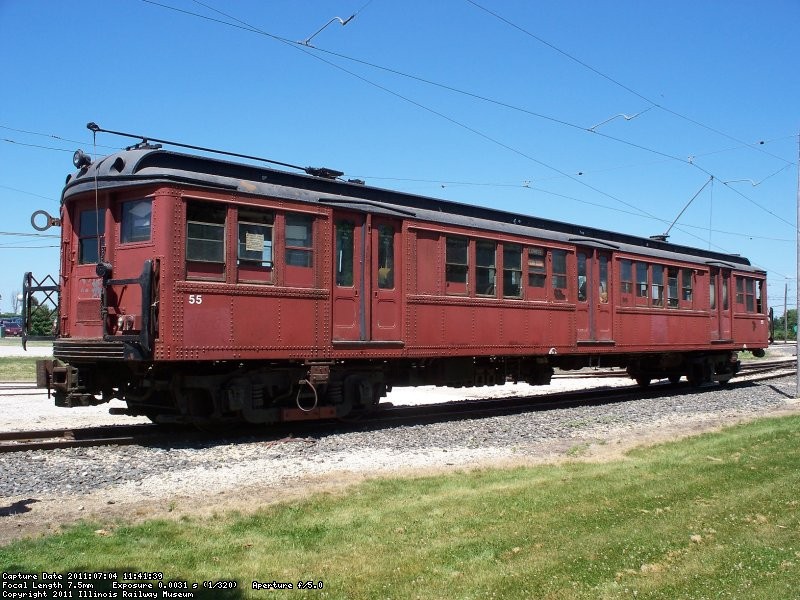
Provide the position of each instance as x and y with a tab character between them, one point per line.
195	298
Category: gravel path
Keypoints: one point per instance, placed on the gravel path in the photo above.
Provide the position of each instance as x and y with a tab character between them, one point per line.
41	490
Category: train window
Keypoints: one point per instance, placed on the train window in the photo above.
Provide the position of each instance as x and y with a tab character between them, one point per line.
485	271
750	295
205	240
626	276
91	227
760	297
603	264
626	282
725	285
344	253
205	232
299	240
686	287
581	277
672	287
712	292
135	225
740	291
537	267
456	265
512	271
559	274
254	250
641	283
385	257
658	285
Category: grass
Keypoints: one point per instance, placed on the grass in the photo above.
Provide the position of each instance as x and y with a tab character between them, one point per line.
717	516
15	341
18	368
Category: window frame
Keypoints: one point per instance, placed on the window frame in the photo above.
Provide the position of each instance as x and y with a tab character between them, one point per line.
293	251
582	266
537	271
642	283
456	273
250	270
99	224
512	275
604	284
123	237
673	287
344	253
657	285
559	280
486	274
686	299
626	288
200	267
385	275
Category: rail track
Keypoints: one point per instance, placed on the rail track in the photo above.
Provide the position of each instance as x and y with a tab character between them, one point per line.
480	408
748	367
386	415
51	439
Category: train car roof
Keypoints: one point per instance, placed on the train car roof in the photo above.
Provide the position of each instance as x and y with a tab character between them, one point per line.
148	166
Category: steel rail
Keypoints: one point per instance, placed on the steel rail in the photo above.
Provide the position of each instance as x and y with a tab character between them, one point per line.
51	439
487	407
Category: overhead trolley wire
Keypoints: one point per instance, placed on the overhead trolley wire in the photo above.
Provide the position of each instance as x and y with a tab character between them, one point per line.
50	135
308	50
16	143
615	81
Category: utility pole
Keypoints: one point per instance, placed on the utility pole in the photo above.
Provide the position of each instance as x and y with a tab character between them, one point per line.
797	281
785	313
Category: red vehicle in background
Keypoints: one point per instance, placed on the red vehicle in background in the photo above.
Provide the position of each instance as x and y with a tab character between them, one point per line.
11	327
207	291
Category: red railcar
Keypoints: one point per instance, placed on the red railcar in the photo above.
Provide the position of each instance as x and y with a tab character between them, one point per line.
199	290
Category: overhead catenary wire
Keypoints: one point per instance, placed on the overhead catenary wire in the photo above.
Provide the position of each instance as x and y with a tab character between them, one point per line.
472	183
16	143
51	135
612	79
252	29
6	187
255	30
21	234
487	137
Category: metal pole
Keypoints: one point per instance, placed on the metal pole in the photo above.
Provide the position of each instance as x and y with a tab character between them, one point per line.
785	313
797	281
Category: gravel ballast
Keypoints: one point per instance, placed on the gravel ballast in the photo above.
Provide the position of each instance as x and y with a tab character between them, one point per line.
43	489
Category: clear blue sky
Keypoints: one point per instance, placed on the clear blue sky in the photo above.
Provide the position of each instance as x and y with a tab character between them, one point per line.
715	79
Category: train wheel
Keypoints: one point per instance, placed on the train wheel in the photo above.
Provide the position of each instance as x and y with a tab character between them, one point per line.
643	381
674	379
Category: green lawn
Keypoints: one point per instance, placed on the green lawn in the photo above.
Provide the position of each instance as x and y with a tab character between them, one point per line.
717	516
18	368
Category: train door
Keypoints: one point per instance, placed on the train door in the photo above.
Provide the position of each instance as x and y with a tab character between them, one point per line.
366	282
386	280
594	317
349	286
720	304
